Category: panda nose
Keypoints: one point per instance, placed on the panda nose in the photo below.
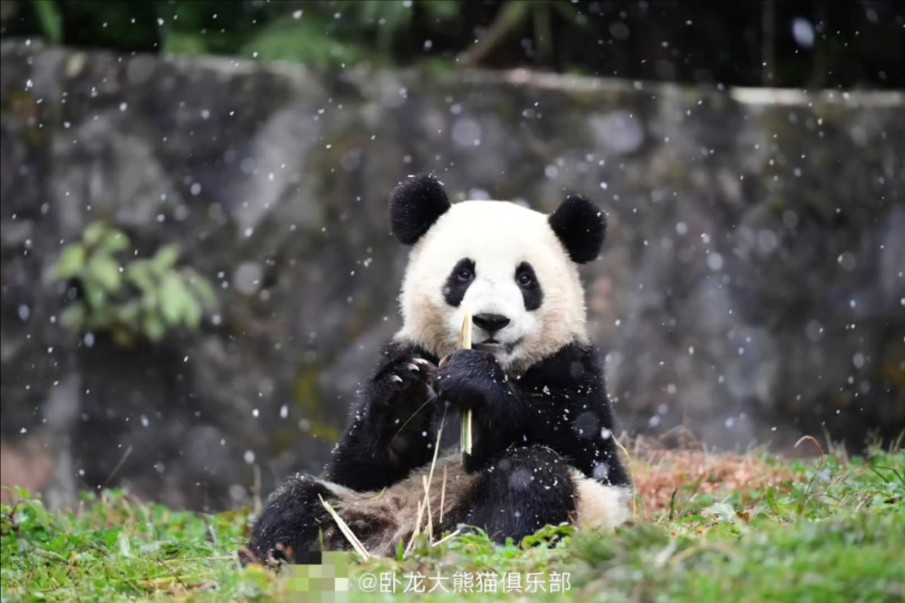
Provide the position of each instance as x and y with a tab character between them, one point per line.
490	322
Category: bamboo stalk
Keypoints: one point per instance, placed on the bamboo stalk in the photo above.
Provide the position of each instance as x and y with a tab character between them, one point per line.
425	502
346	530
465	344
442	495
445	538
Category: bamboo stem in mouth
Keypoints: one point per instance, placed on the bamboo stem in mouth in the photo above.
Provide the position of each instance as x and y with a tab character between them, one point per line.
465	344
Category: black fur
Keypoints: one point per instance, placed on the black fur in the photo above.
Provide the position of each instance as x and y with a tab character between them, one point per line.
581	227
385	439
525	489
414	207
560	403
290	524
458	282
529	285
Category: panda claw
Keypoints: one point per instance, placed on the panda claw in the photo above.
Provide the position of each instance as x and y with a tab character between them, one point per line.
396	379
412	367
421	361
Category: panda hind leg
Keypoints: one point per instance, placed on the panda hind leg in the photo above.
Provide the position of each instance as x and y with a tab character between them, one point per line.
290	524
519	493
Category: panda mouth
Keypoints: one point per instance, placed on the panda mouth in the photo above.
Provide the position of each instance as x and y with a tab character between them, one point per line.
492	345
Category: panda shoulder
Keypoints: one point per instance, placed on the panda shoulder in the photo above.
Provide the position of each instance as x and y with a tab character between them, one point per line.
573	362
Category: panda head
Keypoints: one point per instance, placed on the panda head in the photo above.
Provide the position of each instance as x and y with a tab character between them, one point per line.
514	269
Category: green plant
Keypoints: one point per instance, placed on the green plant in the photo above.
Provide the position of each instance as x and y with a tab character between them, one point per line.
139	298
752	545
309	40
50	19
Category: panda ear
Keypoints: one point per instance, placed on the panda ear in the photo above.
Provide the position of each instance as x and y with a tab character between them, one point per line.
580	226
414	207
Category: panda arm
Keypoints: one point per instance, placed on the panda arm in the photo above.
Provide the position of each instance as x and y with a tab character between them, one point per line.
560	403
472	379
391	429
565	407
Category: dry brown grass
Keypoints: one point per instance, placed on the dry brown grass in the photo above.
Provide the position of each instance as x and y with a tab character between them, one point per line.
662	474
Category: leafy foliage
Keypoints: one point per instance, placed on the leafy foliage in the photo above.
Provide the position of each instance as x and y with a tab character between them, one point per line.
854	43
139	298
306	41
51	20
829	531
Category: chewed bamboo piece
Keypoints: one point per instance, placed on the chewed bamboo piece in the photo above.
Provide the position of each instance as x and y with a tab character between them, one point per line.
346	530
425	502
465	344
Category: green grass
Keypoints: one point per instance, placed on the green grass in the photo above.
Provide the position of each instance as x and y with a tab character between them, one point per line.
825	531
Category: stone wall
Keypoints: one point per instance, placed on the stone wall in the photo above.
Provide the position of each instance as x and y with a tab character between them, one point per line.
751	288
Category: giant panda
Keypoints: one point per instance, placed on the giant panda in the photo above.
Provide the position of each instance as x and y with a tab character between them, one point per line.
543	446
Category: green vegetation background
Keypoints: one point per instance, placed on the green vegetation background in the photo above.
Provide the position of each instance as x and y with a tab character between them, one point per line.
833	531
820	44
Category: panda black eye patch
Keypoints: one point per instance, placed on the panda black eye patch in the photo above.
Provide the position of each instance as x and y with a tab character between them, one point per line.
458	281
530	287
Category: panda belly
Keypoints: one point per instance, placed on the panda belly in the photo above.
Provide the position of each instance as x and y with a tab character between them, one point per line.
382	520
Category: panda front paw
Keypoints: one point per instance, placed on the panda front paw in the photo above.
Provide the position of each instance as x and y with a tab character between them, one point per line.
405	379
471	379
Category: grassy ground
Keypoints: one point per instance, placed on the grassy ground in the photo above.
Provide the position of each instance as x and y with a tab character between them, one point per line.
708	528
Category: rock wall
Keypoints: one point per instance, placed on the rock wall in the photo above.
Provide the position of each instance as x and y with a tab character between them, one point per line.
751	288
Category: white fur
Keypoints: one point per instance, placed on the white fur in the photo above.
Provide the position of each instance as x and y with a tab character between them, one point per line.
497	236
600	506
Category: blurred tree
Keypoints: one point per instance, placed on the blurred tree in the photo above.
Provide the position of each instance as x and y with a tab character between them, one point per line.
805	43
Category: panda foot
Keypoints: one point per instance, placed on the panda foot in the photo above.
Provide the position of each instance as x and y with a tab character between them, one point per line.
289	526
